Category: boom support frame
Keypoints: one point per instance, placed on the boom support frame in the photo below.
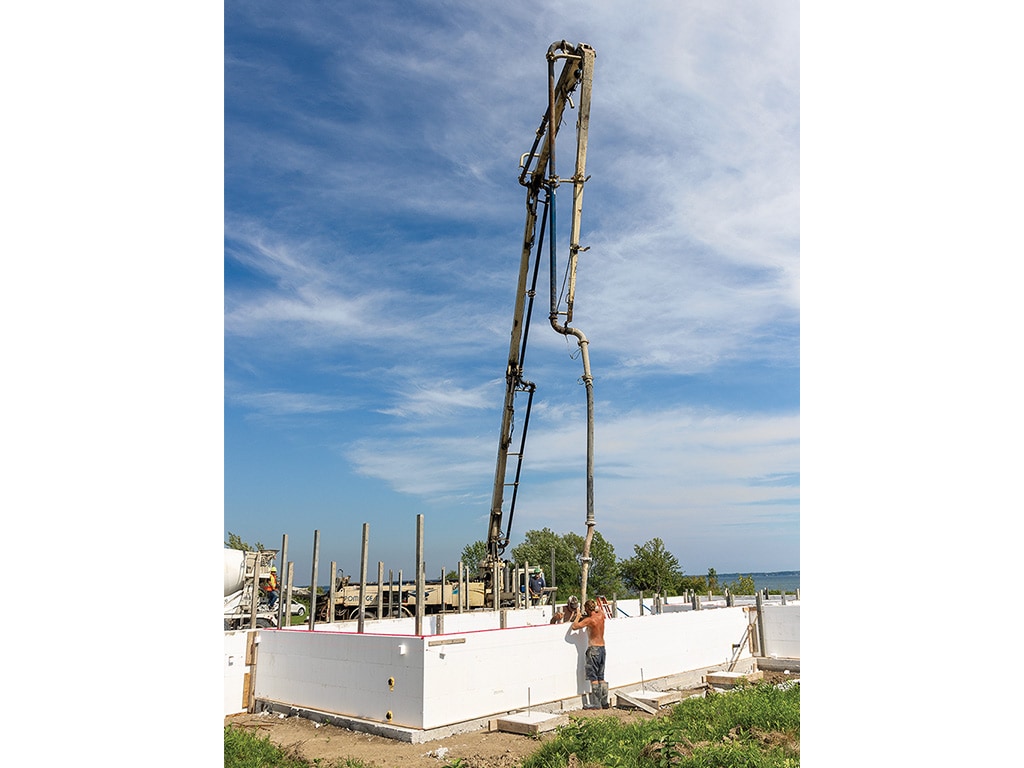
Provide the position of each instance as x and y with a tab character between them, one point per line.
538	175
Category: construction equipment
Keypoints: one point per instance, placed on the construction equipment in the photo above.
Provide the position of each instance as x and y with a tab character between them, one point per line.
245	605
398	600
538	175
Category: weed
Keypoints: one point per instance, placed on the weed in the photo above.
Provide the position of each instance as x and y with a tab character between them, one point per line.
754	726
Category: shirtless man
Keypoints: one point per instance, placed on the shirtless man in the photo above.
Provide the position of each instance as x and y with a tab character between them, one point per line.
594	624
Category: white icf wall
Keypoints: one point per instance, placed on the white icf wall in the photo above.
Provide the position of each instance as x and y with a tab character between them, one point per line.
782	630
364	676
432	681
235	669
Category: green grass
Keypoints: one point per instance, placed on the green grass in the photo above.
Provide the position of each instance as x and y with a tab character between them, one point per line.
246	750
751	727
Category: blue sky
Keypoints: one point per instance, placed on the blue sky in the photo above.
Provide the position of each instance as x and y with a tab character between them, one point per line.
373	222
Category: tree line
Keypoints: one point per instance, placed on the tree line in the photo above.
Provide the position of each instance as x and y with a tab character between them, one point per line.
652	568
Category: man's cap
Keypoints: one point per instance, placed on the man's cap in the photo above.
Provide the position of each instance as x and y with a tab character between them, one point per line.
273	569
536	570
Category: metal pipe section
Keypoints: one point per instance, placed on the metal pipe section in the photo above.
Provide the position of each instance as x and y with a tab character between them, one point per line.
586	54
380	589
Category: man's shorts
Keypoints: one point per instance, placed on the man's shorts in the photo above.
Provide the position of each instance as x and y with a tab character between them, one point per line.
595	662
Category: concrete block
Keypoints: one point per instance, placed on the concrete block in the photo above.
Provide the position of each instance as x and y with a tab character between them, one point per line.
530	723
731	679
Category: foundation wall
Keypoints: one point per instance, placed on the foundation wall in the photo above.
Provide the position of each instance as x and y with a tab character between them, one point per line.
782	631
365	676
235	670
437	680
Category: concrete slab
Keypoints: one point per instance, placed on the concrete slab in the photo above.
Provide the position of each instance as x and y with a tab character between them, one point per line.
529	723
731	679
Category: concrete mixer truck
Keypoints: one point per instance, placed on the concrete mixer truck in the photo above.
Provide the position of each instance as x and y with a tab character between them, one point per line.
240	578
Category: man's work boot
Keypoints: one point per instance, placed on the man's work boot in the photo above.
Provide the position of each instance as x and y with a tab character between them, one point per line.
604	696
592	700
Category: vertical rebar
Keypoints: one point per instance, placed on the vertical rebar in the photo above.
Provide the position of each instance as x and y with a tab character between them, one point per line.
554	595
419	574
362	577
444	602
281	612
255	596
332	591
291	578
380	589
312	579
462	592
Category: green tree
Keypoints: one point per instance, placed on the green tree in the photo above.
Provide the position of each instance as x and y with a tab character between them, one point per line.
536	550
712	580
603	578
696	583
473	555
652	568
235	542
742	586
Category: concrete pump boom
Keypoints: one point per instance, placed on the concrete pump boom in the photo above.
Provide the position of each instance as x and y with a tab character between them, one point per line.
541	183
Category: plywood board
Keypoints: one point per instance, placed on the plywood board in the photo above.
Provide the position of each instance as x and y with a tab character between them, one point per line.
635	702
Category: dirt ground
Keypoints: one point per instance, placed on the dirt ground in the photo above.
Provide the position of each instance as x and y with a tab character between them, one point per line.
479	749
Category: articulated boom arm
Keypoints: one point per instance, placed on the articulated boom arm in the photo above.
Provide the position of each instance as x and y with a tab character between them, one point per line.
539	177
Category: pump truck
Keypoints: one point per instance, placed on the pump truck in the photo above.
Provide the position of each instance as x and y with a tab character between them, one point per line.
541	180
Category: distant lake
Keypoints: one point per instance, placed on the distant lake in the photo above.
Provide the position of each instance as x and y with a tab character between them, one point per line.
781	581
